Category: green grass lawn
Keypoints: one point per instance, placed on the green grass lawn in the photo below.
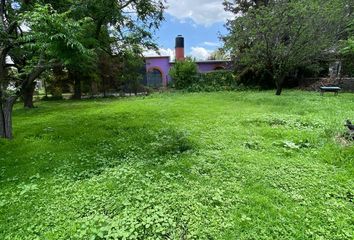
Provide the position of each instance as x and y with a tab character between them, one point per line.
238	165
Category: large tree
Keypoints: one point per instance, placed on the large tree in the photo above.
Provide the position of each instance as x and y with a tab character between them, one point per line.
32	36
35	35
282	35
240	7
120	26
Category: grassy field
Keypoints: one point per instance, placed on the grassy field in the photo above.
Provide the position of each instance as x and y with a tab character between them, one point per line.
238	165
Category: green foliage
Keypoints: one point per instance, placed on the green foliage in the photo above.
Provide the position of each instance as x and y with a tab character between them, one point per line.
214	81
169	141
348	52
184	73
57	36
349	44
185	76
227	165
285	35
38	34
243	6
219	54
131	70
123	30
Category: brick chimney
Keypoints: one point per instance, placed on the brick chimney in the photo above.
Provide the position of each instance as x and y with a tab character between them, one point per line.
179	48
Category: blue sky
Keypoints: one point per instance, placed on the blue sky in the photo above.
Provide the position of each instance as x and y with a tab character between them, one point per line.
199	21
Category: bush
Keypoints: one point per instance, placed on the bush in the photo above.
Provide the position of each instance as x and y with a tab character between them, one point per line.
214	81
184	73
185	76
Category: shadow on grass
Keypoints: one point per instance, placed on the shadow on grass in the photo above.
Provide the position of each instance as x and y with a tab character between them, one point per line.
85	145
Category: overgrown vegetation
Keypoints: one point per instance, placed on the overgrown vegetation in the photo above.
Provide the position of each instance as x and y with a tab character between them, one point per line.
348	52
184	73
222	80
185	76
180	166
84	37
279	37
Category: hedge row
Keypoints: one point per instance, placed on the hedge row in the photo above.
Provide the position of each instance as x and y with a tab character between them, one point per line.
209	82
213	81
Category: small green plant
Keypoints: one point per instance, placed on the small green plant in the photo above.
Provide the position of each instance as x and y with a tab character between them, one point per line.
169	141
253	145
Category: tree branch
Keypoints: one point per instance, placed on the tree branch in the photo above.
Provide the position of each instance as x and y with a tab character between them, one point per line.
126	4
38	70
3	14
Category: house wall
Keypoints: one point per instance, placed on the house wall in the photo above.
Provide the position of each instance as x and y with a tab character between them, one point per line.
160	63
209	67
164	65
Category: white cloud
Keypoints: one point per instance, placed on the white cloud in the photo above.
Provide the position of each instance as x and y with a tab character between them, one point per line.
212	44
202	12
200	53
162	52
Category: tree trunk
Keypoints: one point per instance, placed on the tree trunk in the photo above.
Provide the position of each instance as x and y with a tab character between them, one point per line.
45	88
56	85
104	87
6	117
77	88
29	84
2	121
279	82
75	78
77	84
279	90
28	95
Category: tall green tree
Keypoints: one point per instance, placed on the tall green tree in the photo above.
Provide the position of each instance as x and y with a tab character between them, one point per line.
35	35
119	26
32	36
239	7
284	35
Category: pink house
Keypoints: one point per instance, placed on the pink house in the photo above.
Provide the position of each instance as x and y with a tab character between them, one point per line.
158	67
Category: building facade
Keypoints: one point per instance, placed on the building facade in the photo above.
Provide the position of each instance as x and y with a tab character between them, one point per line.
158	67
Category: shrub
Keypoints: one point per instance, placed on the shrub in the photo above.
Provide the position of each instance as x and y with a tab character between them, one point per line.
214	81
184	73
185	76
